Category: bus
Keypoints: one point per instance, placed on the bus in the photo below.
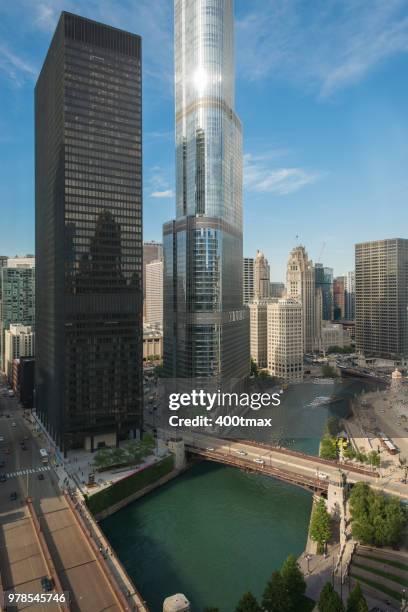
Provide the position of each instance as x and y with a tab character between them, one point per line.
44	455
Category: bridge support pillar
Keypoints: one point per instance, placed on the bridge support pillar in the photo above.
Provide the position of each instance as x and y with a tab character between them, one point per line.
177	448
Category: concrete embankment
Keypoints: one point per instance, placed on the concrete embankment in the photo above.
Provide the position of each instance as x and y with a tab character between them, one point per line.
112	499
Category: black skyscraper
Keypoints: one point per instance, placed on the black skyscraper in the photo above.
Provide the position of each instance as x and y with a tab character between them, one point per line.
89	234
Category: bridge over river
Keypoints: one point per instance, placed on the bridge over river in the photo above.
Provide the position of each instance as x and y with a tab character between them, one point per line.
310	472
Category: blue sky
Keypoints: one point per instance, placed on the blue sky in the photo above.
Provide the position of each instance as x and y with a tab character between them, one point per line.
322	92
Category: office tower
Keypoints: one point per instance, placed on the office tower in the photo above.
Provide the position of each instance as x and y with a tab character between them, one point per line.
350	296
262	276
324	281
23	380
88	136
339	298
277	290
17	287
206	328
19	341
154	294
333	335
152	251
300	285
3	261
381	275
285	339
258	331
248	279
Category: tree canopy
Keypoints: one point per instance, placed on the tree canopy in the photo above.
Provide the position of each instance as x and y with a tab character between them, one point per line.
320	524
329	600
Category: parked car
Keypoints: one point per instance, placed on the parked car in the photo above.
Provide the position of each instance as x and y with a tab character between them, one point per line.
47	584
13	496
40	476
3	478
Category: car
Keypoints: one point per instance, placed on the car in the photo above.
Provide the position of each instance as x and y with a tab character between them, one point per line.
13	424
241	452
210	448
1	438
40	476
2	464
23	447
259	460
47	584
3	478
26	438
13	496
322	475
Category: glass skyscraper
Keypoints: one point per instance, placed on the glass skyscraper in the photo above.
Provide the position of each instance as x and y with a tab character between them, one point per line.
89	234
206	332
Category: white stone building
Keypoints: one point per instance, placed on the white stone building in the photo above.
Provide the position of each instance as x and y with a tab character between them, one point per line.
154	294
285	339
19	341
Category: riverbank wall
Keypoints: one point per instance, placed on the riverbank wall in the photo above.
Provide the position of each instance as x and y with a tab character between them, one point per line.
104	503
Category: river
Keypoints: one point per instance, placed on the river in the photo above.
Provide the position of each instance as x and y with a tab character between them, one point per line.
216	532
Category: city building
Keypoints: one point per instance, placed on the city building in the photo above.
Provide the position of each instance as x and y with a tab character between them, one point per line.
300	285
88	171
248	287
324	282
258	322
381	276
334	334
152	344
17	289
277	290
206	327
262	276
154	294
285	339
350	296
23	380
19	341
339	298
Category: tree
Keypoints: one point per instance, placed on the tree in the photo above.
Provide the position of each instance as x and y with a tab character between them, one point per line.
374	458
356	601
254	368
328	448
329	600
320	525
248	603
328	371
276	597
376	519
295	582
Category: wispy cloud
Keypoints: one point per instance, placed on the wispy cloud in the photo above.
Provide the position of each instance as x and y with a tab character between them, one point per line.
169	193
332	46
15	67
262	176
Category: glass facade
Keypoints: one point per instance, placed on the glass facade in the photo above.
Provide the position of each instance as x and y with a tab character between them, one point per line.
89	232
324	281
206	329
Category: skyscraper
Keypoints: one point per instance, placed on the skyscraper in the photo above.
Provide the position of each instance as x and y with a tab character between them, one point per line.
17	290
262	276
382	298
339	298
350	296
324	282
206	331
248	271
152	251
300	285
154	294
89	234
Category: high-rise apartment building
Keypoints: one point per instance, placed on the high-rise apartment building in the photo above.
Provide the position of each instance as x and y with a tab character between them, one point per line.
206	328
285	339
248	276
350	296
19	341
300	285
262	276
382	298
88	134
324	282
154	294
17	289
339	298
